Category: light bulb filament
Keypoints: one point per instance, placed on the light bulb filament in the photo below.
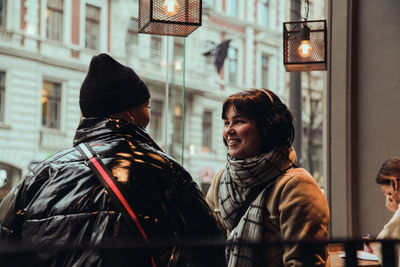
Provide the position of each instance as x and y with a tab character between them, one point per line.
305	48
171	7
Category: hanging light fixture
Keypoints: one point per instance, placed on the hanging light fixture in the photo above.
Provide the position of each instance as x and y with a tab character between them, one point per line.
305	48
304	44
169	17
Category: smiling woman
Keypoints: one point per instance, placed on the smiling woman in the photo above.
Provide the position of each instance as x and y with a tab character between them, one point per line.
241	135
261	195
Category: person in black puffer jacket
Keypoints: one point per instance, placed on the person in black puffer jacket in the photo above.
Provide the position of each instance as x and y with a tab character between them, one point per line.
61	215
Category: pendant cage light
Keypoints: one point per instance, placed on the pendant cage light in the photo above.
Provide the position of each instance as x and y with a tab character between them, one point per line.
169	17
304	45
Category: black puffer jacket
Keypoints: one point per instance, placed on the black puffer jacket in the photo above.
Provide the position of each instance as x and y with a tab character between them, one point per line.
62	202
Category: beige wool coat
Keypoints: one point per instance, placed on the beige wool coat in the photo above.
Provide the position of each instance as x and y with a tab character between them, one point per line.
297	210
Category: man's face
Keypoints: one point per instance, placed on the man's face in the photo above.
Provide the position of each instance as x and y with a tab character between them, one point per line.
141	114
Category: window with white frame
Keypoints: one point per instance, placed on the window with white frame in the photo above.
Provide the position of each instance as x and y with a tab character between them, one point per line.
233	8
132	34
2	13
232	64
51	105
207	130
2	94
264	71
54	19
156	47
265	12
178	124
92	33
156	108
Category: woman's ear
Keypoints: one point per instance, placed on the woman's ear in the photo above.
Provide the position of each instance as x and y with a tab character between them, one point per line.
129	115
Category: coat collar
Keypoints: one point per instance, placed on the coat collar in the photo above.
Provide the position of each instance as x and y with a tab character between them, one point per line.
97	128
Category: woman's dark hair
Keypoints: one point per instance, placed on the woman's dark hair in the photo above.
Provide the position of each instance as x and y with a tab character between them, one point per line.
274	120
390	168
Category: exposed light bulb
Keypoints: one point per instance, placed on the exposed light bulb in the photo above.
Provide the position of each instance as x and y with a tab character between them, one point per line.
171	7
305	48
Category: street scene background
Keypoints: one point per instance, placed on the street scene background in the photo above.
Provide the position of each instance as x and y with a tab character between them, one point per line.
46	47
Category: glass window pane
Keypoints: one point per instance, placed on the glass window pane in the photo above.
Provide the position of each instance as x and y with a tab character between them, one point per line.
156	46
233	7
207	129
2	95
232	65
2	13
265	11
92	27
132	35
178	124
54	20
264	71
156	119
51	101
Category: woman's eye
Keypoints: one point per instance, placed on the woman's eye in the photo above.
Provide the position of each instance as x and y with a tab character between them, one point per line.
148	107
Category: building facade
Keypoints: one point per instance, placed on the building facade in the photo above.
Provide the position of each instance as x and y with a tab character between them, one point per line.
46	47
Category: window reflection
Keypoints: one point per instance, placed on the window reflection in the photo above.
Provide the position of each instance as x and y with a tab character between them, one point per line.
92	37
2	95
232	65
265	12
156	47
264	71
54	20
156	119
132	35
51	103
2	13
207	130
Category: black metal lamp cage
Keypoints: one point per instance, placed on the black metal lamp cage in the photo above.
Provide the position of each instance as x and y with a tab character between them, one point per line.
304	45
169	17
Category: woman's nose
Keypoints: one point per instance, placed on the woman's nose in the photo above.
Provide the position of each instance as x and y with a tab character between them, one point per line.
229	130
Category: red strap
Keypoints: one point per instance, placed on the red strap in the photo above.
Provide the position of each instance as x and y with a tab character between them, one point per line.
122	199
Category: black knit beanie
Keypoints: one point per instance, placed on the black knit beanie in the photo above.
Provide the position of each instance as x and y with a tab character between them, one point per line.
110	88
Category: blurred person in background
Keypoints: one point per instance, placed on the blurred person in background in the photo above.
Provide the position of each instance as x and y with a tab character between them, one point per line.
62	202
388	178
261	195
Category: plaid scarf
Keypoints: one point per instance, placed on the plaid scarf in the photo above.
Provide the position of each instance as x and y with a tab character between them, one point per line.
237	180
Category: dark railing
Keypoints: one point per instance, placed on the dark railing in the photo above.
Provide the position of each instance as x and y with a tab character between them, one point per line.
20	255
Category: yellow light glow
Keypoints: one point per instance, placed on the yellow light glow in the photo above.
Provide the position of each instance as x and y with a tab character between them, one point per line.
305	48
178	65
171	7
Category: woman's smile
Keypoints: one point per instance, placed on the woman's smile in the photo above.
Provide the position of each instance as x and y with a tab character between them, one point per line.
241	135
